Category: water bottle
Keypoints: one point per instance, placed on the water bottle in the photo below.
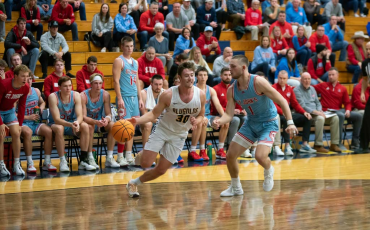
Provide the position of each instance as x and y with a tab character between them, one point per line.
36	110
95	155
209	150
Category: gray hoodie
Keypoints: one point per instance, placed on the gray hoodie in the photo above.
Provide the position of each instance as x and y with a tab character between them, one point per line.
307	98
190	13
98	26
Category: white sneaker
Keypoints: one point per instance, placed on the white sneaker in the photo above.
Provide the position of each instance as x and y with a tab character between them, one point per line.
110	162
246	154
363	15
278	151
288	150
232	191
31	168
130	160
63	166
253	152
116	49
307	149
17	169
91	161
103	50
132	190
268	184
122	161
47	166
84	165
356	16
3	170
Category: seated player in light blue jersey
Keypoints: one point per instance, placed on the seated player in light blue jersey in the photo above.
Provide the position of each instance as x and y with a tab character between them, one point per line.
257	97
200	134
97	114
66	118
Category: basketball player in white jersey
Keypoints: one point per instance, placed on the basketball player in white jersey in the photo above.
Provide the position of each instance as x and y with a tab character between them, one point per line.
184	107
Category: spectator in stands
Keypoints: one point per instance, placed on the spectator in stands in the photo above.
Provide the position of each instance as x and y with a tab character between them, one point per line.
181	58
356	55
21	41
265	4
323	2
197	3
209	45
336	37
150	65
300	116
160	43
206	16
357	104
31	13
135	9
51	82
13	5
365	129
197	58
63	14
123	26
102	25
2	22
45	9
236	11
296	16
78	5
264	59
162	6
222	16
355	5
289	64
176	21
302	46
270	15
285	28
278	43
312	9
319	37
83	75
184	43
308	99
148	19
51	42
16	60
333	96
188	10
222	61
253	21
3	66
319	65
334	8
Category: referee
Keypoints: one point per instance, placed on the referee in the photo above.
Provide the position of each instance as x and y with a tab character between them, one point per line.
365	129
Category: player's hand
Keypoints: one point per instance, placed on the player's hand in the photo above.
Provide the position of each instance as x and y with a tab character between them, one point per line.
104	122
236	111
121	103
193	122
99	123
363	98
141	104
75	127
33	117
243	112
132	120
205	121
292	130
3	129
216	124
347	114
307	115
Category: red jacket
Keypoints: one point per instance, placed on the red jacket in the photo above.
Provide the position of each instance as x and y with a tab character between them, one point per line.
319	68
333	97
286	27
356	97
289	96
253	17
9	73
35	15
147	69
277	44
59	14
221	91
83	78
314	40
202	43
51	84
351	54
148	21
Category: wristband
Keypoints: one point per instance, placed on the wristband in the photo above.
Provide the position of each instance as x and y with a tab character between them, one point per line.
290	122
108	117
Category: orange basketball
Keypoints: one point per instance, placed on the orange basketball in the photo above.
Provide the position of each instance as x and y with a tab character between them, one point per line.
123	131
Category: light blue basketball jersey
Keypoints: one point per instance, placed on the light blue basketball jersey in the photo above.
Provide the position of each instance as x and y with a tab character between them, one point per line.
66	111
259	107
95	110
127	80
208	102
32	102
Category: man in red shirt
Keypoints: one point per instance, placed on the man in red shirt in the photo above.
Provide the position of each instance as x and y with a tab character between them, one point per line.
150	65
356	55
63	14
285	28
16	60
300	118
253	21
208	45
51	81
333	96
83	75
357	104
11	91
319	37
148	19
319	65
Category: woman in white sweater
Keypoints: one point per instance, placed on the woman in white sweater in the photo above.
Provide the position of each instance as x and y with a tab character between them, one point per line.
102	25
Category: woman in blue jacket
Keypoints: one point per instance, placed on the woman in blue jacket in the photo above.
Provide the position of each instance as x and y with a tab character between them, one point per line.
264	59
184	43
289	64
302	46
123	25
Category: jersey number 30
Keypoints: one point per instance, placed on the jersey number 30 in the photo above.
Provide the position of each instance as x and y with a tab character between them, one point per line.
182	118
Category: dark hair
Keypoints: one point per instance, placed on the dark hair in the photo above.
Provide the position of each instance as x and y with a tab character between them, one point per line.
282	12
262	37
20	19
3	63
190	38
185	65
107	16
201	69
156	77
120	6
92	59
181	57
16	54
291	64
63	79
241	58
58	60
126	39
260	73
20	68
334	68
224	70
154	3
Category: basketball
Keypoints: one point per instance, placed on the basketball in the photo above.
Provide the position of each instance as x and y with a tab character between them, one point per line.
123	131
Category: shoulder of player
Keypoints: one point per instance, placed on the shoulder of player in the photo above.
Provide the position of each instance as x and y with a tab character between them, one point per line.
166	97
261	83
118	61
37	91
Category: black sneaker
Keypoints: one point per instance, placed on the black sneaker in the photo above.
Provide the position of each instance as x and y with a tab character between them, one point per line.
113	1
44	75
71	75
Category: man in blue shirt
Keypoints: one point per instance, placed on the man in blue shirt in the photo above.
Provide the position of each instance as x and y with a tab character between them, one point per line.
206	16
336	37
236	11
296	16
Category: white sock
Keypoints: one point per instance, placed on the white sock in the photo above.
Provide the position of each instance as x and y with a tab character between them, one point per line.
47	158
136	181
29	159
120	155
90	155
110	154
193	148
220	145
235	182
1	162
128	153
16	161
202	147
63	158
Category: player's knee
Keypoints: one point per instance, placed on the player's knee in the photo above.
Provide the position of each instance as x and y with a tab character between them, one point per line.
58	130
109	126
84	127
15	133
91	128
26	132
148	127
160	171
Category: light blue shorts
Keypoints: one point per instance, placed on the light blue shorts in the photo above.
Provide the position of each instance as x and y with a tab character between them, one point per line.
35	127
131	108
9	117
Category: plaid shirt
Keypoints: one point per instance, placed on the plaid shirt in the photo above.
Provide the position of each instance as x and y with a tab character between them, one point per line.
234	7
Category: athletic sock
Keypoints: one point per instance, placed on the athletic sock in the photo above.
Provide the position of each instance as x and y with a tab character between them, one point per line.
83	155
193	148
128	153
16	161
136	181
47	158
235	182
220	145
110	154
63	158
119	155
202	147
29	159
90	155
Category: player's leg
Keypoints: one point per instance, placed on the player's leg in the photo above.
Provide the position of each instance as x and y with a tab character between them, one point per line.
90	157
146	129
84	135
132	110
15	132
26	133
195	137
3	170
47	133
58	131
202	141
110	162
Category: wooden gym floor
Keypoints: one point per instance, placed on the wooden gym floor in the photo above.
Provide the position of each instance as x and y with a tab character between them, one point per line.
310	192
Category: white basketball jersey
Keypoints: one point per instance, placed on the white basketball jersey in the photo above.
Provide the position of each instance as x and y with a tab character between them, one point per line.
177	116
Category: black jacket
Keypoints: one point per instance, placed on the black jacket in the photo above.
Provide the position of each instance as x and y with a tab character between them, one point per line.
11	38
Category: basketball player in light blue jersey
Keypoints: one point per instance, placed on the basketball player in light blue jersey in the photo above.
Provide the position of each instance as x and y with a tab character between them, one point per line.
128	101
256	96
97	113
66	118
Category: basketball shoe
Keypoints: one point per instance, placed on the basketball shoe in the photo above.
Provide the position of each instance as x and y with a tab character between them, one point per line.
86	166
246	154
132	190
232	191
91	161
17	169
122	161
3	170
203	155
110	162
193	156
268	184
180	160
130	160
220	154
63	166
31	168
47	166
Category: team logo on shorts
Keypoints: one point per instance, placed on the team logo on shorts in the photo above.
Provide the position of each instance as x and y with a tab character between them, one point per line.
272	135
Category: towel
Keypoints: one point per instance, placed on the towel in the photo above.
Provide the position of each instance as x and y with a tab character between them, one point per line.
150	100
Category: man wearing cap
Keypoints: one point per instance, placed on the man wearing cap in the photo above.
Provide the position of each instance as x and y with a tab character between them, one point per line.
253	21
189	11
208	45
206	16
319	65
356	55
51	42
336	37
236	11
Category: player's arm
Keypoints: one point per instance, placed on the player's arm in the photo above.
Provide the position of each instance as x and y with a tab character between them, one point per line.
78	107
195	121
216	102
42	103
107	108
230	107
86	119
143	98
141	105
55	111
116	71
22	108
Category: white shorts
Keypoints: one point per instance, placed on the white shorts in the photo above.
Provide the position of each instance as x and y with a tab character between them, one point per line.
166	143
